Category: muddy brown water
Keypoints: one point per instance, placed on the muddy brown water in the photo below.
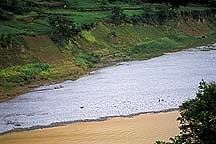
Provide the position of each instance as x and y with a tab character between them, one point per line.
142	129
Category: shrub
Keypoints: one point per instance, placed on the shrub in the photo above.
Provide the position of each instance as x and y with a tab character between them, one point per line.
198	117
154	47
118	17
89	59
5	15
62	29
87	26
88	36
9	40
19	75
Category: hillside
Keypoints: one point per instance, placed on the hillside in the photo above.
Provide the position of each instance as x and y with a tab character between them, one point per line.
42	42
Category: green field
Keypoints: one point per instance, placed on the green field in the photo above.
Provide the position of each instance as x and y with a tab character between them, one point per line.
35	22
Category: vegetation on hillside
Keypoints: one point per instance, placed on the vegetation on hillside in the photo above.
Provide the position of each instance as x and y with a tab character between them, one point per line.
62	29
198	118
34	17
74	37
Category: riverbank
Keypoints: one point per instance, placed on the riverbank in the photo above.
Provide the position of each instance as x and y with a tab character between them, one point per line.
134	87
145	128
103	46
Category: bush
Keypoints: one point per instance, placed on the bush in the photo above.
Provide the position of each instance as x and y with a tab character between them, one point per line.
10	40
198	117
62	29
118	17
15	6
19	75
153	47
162	13
89	59
86	35
87	26
5	15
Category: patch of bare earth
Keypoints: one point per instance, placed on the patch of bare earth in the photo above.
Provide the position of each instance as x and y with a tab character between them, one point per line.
44	49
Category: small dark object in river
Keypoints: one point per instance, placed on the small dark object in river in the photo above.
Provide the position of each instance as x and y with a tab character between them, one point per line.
17	125
58	87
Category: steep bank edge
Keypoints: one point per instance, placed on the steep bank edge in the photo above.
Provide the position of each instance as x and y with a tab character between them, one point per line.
111	44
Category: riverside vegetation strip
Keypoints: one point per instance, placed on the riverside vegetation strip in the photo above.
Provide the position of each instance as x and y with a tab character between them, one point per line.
30	58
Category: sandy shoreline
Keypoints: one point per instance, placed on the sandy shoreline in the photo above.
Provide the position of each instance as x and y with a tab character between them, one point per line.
145	128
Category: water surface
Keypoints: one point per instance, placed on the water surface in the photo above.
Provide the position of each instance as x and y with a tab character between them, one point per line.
141	86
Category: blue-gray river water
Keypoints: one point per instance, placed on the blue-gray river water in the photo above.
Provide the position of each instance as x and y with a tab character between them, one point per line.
134	87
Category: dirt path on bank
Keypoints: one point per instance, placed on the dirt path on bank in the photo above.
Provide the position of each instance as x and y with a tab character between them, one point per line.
142	129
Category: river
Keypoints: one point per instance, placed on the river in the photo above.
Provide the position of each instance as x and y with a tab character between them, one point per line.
153	85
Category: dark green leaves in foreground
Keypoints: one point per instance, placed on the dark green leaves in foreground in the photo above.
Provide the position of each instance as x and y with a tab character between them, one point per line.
198	118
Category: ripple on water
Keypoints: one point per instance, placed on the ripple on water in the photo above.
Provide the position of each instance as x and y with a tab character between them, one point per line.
142	86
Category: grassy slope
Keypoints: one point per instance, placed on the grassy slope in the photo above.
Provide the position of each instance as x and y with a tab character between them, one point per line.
102	46
99	48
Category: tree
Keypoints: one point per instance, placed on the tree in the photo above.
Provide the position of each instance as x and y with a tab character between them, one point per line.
198	117
118	17
14	6
103	2
62	29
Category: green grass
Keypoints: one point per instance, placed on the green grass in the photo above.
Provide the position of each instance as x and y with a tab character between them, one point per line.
84	3
40	25
9	30
62	12
27	15
89	59
88	17
194	7
93	4
133	12
86	35
43	21
81	17
154	47
130	35
18	27
141	51
47	4
21	75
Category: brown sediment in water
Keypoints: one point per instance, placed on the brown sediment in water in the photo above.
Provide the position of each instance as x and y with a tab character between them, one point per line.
142	129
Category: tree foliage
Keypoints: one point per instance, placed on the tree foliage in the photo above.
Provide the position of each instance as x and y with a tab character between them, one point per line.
198	117
15	6
164	13
118	17
62	29
10	40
